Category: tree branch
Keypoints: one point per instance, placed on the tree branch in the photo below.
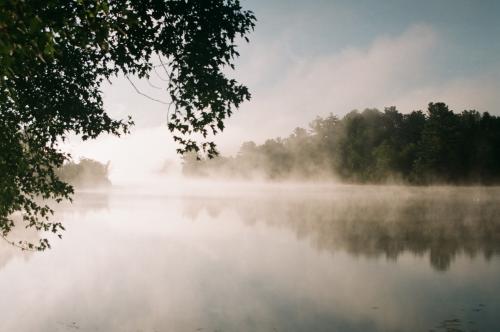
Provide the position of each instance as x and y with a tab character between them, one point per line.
145	95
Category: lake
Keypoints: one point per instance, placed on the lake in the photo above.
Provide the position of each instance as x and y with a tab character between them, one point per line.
223	257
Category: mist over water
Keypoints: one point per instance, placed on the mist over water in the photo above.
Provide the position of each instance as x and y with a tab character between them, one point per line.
250	166
212	256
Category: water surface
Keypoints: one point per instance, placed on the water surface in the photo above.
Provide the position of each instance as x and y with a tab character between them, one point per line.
278	258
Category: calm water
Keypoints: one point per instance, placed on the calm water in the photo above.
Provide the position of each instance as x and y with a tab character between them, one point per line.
284	258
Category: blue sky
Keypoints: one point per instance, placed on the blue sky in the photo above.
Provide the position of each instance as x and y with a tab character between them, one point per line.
470	29
310	58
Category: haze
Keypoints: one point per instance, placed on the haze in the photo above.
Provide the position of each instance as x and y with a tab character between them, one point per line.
309	59
327	209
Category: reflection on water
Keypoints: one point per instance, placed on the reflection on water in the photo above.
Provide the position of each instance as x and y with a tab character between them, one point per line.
433	221
344	258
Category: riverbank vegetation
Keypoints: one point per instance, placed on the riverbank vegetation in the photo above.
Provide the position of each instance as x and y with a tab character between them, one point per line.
372	146
85	173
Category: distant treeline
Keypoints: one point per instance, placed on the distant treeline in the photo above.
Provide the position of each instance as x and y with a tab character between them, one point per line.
86	173
438	146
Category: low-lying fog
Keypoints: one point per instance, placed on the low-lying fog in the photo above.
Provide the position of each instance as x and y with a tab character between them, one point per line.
209	256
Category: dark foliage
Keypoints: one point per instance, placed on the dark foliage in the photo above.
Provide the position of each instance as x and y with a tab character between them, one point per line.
54	56
372	146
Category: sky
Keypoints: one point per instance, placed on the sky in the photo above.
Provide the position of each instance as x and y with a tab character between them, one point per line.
312	58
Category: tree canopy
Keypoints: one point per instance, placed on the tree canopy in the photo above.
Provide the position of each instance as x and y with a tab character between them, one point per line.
85	173
438	146
54	57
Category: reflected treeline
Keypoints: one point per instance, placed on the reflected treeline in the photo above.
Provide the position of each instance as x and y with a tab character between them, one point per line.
83	203
376	222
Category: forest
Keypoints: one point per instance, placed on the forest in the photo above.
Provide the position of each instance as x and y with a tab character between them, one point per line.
438	146
85	173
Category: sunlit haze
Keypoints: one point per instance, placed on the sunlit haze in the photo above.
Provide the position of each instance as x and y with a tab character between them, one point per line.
314	58
356	190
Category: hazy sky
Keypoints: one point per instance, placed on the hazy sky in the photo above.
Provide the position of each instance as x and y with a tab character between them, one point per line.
309	58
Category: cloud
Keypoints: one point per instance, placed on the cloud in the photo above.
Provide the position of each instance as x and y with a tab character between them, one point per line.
290	88
479	92
393	70
356	78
